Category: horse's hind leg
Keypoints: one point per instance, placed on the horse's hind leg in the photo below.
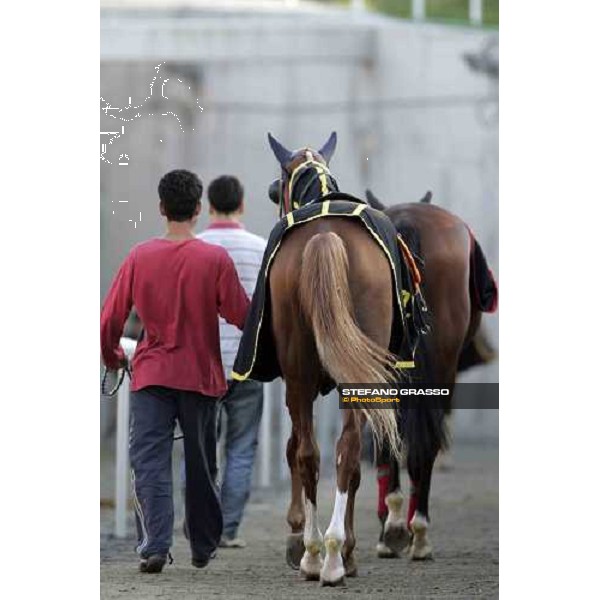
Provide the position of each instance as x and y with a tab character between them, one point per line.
350	566
395	537
295	515
418	509
307	465
420	469
387	482
338	533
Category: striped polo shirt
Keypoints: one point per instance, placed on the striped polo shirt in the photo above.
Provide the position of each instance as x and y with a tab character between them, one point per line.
246	251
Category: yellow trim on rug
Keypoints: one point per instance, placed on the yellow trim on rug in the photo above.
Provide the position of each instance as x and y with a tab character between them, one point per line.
405	364
244	376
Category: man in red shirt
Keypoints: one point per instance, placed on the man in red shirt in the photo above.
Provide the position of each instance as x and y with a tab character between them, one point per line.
179	286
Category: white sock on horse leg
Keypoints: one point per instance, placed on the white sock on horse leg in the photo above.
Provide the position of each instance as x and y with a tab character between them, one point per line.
420	548
394	503
313	539
311	563
336	527
335	536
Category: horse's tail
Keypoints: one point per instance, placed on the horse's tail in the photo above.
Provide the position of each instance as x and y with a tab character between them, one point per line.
422	424
482	285
348	355
424	432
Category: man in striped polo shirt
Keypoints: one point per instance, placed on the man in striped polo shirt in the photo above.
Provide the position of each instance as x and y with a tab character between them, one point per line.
244	399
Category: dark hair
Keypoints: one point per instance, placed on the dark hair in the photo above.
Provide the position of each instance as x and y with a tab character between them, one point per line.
225	194
179	192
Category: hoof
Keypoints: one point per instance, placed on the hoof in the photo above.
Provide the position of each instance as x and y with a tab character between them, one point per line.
294	550
384	552
333	582
333	571
426	554
420	548
396	537
311	566
309	576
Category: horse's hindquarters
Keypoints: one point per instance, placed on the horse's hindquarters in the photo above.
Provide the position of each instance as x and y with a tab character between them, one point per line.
331	294
370	290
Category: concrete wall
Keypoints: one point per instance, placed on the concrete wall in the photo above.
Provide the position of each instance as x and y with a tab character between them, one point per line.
408	111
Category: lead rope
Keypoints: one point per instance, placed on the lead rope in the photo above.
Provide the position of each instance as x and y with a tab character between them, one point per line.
120	379
115	389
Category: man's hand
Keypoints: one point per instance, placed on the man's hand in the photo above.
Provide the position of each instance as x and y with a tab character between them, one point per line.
122	362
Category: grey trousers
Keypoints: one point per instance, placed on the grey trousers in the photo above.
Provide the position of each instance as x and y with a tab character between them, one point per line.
154	411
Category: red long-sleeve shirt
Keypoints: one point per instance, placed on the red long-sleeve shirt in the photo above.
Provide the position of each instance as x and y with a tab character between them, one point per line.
178	290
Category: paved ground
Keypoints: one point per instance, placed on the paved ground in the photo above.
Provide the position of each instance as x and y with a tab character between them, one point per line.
464	534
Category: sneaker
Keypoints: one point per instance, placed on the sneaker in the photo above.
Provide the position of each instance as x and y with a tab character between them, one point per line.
153	564
232	543
200	563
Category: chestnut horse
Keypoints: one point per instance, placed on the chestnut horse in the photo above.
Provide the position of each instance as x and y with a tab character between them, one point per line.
445	246
331	293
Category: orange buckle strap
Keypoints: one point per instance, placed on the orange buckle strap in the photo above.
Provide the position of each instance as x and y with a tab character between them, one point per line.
416	274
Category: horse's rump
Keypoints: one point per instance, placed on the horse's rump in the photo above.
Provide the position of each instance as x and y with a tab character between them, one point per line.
339	326
257	358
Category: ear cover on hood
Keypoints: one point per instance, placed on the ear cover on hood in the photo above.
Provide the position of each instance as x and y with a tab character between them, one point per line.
275	194
282	154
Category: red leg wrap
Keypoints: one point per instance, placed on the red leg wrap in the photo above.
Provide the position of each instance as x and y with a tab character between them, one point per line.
383	482
412	505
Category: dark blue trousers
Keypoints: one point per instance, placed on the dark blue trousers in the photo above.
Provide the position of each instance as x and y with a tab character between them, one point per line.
243	404
154	411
